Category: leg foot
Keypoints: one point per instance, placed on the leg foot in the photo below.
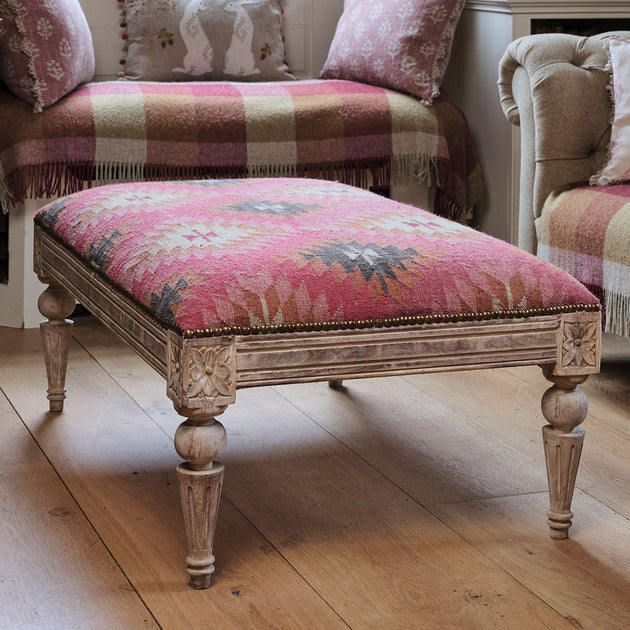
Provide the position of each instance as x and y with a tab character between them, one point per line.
564	406
200	478
562	454
55	303
335	384
200	493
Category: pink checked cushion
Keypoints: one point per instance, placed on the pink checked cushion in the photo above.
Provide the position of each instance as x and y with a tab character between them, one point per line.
45	49
224	256
400	44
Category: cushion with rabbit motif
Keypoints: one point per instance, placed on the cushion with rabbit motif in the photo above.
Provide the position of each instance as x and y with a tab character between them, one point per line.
256	255
209	40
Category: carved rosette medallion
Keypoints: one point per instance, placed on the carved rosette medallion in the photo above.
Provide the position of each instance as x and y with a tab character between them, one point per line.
579	344
201	374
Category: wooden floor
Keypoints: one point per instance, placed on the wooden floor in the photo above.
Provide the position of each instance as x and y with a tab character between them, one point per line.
408	503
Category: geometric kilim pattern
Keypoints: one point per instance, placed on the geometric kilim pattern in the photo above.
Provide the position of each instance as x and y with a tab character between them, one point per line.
285	208
162	305
284	253
370	259
98	253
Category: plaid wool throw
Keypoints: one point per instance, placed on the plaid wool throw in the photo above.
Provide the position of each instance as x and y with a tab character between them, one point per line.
119	131
585	231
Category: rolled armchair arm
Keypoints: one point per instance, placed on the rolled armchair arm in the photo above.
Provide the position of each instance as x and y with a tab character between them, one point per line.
555	87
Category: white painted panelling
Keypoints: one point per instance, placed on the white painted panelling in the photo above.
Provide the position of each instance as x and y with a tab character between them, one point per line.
295	11
294	37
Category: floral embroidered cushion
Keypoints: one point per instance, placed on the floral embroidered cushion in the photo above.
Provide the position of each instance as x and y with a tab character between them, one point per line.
245	256
186	40
617	167
45	49
400	44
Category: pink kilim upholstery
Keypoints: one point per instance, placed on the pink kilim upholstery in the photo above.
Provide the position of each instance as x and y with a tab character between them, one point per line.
216	257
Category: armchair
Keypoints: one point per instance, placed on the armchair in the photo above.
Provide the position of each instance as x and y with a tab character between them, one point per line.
556	88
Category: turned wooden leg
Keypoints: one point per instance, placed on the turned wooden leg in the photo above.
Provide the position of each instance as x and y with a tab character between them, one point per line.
199	442
55	303
564	406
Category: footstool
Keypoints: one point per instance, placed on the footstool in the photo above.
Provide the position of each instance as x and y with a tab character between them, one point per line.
226	284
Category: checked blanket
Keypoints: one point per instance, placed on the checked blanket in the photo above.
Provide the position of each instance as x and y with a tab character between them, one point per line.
585	231
117	131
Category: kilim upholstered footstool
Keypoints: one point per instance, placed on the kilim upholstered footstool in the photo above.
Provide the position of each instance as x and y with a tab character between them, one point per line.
227	284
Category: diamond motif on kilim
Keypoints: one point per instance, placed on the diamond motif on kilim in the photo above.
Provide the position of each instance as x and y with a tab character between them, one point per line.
98	254
371	259
284	208
200	234
51	213
162	305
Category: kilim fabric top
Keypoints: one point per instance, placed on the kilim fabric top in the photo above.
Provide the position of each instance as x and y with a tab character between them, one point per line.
245	256
119	131
586	232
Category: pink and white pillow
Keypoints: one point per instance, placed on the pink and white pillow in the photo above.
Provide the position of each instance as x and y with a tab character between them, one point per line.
400	44
45	49
617	168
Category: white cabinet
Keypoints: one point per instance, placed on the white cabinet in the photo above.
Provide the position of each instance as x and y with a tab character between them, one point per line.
484	31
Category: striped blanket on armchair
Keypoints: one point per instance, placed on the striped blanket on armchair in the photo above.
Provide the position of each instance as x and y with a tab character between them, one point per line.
585	230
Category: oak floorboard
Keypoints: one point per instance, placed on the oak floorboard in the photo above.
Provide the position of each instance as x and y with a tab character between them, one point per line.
376	556
54	570
120	467
436	448
507	403
586	578
603	470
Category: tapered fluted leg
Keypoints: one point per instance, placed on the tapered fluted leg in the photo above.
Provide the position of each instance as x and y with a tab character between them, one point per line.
55	303
564	406
200	442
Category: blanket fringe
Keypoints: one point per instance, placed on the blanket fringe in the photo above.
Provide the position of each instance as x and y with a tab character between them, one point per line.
424	168
617	316
54	180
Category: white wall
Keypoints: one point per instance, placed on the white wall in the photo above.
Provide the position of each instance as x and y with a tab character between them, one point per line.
471	79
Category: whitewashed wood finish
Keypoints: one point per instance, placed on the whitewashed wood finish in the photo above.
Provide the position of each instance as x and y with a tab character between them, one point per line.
200	480
55	303
203	375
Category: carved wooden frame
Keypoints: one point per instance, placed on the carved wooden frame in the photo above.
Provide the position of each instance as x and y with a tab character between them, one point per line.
203	374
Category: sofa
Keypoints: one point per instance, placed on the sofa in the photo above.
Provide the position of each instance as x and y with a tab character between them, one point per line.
566	94
125	121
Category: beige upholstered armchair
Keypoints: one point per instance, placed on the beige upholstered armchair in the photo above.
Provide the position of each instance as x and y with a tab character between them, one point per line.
555	87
